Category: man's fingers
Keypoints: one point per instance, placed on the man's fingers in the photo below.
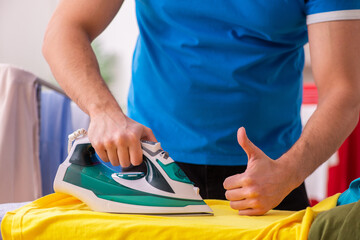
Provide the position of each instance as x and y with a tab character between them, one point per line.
124	157
135	153
245	142
101	152
237	181
232	182
113	156
241	204
243	195
235	194
148	135
123	144
240	194
111	151
245	204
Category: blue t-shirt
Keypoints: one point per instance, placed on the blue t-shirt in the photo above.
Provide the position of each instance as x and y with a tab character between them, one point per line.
204	68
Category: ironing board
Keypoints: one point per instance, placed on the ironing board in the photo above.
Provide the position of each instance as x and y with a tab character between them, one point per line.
60	216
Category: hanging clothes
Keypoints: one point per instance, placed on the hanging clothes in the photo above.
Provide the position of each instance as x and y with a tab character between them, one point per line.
19	136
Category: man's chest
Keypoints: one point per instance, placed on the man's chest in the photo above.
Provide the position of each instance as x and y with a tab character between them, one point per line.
271	18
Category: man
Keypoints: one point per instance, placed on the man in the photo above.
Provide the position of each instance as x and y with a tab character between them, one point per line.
204	70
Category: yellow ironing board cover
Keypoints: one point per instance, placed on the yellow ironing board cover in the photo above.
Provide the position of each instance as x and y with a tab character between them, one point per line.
60	216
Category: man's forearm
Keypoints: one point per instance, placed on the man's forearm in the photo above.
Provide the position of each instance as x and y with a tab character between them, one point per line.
75	67
334	49
67	49
335	118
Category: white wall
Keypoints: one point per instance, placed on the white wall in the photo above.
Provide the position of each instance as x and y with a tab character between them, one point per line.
22	27
120	38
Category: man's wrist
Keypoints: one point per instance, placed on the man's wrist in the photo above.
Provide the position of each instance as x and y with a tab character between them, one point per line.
294	171
103	106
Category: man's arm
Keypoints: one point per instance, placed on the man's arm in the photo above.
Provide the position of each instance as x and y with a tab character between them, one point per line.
67	48
335	55
335	59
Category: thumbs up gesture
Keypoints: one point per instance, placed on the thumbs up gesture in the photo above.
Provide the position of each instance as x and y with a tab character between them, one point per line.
263	185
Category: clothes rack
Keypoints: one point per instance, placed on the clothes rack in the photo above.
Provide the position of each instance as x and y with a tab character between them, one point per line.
50	86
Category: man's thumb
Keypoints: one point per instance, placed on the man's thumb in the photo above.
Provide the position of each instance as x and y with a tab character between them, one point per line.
246	144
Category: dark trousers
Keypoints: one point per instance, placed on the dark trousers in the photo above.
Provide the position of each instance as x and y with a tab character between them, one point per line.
210	180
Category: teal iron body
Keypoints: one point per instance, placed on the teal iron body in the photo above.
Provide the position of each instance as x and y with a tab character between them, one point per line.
162	189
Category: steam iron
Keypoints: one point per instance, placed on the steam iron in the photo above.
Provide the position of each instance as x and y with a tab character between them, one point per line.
162	189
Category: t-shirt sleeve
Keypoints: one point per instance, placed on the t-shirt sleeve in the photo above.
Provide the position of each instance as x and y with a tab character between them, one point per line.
331	10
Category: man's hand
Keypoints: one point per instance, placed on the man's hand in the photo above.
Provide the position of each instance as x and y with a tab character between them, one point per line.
263	185
116	138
